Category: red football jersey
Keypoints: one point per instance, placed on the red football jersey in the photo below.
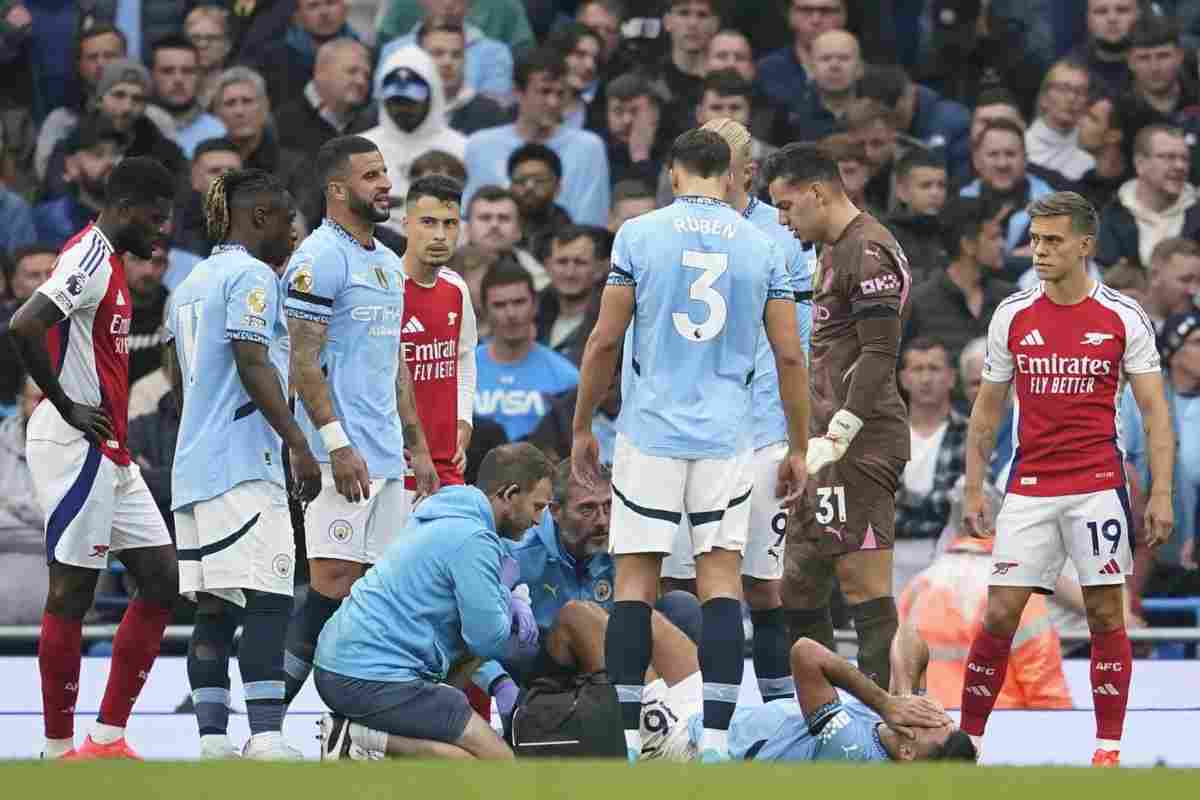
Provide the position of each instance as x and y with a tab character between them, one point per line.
90	348
1065	363
438	338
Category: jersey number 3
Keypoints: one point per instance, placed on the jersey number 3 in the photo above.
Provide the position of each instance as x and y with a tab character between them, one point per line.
713	266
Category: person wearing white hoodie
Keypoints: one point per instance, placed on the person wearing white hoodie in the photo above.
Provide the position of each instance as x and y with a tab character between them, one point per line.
1052	141
1159	203
412	118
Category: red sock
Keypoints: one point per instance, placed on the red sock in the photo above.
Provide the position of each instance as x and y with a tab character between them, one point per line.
1112	669
481	701
136	646
60	649
982	680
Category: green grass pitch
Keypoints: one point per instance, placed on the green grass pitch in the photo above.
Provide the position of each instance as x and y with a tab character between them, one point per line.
581	781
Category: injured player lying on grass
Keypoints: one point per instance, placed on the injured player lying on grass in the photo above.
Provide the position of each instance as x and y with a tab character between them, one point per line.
863	724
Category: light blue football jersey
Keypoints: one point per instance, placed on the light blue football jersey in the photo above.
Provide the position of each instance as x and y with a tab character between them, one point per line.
777	731
223	438
359	293
770	423
702	275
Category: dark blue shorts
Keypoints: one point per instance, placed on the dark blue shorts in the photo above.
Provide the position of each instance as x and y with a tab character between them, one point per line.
416	709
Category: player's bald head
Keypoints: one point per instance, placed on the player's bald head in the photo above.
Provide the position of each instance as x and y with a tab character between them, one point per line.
836	41
332	52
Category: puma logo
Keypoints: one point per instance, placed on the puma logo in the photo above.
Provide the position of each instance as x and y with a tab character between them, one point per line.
553	590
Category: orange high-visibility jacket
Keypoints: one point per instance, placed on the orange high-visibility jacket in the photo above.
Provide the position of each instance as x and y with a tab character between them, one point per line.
946	602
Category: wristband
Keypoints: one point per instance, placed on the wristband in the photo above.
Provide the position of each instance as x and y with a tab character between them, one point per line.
334	437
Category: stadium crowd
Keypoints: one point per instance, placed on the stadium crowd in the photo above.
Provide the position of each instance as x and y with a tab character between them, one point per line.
946	119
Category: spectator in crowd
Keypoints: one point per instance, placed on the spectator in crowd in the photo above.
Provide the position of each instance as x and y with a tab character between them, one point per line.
90	152
152	437
518	378
561	306
467	109
36	70
333	103
1101	138
97	47
1157	204
212	158
873	125
144	277
580	48
955	304
554	435
239	99
730	50
944	606
535	173
31	267
1130	280
437	162
121	98
922	115
783	75
175	70
605	18
539	91
412	117
143	23
916	221
1003	182
18	229
502	20
1161	92
992	106
1175	563
1106	52
630	198
1173	286
255	26
728	94
690	26
851	158
488	63
637	127
939	444
207	28
970	373
287	65
23	573
836	67
494	227
1052	141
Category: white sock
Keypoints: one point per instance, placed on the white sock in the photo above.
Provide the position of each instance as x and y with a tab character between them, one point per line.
1108	744
267	736
56	748
367	738
633	741
107	734
219	740
715	740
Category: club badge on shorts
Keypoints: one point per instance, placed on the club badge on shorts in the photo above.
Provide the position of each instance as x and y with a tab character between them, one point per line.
340	531
281	565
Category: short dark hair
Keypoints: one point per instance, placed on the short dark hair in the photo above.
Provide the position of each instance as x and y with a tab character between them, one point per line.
507	271
33	249
631	189
439	187
962	218
884	83
535	152
997	96
565	38
703	153
1168	248
923	344
99	29
334	155
633	84
1004	125
1084	219
727	83
438	161
491	193
957	747
218	144
801	162
714	5
139	180
174	41
569	233
1141	142
541	59
1153	30
520	464
918	158
440	27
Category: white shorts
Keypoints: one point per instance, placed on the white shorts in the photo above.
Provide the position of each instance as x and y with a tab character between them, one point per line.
763	557
93	507
360	532
1036	535
666	712
651	495
238	540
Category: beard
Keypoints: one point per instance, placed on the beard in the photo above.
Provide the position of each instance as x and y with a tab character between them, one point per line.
1112	48
130	240
364	210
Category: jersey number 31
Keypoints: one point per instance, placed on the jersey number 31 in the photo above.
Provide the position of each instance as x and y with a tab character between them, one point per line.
712	266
